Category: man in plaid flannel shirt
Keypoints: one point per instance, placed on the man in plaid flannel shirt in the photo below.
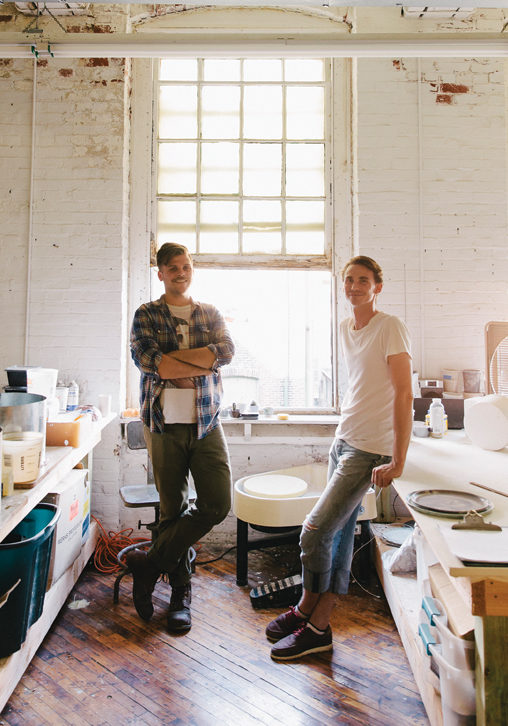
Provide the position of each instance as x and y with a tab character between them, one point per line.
179	346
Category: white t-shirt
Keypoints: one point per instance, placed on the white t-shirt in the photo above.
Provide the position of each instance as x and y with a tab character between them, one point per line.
179	404
366	416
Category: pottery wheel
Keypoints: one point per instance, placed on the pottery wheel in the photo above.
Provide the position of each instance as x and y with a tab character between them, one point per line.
275	486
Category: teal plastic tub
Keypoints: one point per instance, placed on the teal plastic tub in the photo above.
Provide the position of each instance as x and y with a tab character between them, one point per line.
24	564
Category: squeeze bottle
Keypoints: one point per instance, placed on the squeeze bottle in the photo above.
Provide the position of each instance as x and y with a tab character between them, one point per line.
73	397
437	418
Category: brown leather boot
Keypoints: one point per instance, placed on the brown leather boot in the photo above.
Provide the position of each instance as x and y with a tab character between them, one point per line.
144	577
179	615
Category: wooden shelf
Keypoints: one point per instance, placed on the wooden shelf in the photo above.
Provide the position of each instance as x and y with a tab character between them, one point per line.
59	461
13	667
403	596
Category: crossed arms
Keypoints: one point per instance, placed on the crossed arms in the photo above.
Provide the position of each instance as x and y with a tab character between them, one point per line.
186	363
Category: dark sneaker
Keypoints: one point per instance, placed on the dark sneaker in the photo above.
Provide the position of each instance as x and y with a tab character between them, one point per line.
302	642
144	577
284	624
179	615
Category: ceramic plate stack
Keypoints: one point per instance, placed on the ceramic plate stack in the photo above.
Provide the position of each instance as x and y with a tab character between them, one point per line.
447	502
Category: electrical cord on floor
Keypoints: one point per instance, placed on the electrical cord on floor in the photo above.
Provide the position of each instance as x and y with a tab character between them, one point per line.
215	559
378	597
109	545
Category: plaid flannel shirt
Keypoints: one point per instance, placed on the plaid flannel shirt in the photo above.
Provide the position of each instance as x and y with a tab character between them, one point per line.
153	333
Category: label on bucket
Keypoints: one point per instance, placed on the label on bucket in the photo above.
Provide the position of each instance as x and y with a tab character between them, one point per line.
22	453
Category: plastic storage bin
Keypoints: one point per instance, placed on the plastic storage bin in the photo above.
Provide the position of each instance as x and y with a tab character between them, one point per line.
24	563
453	658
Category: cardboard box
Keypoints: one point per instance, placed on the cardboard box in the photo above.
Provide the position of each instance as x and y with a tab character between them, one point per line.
68	430
69	495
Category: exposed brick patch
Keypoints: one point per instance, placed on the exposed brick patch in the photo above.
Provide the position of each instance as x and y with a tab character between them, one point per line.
42	62
102	29
5	62
453	88
398	64
90	28
66	72
96	62
443	98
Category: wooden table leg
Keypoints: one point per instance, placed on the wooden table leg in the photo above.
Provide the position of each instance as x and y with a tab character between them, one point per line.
490	608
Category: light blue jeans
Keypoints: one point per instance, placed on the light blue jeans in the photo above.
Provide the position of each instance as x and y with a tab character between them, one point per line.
327	537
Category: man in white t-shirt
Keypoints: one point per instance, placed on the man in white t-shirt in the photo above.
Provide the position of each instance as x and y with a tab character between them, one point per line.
370	446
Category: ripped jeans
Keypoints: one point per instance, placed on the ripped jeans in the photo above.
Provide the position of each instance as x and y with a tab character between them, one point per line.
327	536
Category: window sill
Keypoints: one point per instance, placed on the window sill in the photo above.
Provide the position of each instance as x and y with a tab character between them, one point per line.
296	429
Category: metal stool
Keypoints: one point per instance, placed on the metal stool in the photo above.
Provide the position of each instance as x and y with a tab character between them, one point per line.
138	495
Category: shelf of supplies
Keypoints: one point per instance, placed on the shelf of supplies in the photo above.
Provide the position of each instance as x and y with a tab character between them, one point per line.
59	461
13	667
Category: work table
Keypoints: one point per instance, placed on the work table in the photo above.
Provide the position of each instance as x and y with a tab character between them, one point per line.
481	590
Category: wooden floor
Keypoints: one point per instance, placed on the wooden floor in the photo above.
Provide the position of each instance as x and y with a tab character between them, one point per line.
100	665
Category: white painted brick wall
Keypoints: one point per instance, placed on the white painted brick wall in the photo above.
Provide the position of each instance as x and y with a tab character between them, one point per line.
456	262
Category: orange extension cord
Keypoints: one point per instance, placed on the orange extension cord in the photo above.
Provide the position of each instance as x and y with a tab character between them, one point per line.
109	545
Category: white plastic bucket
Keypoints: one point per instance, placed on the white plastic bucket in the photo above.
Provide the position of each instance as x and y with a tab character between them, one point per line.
458	693
21	451
457	651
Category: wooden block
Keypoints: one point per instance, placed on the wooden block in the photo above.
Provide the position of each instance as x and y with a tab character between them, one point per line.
490	597
460	619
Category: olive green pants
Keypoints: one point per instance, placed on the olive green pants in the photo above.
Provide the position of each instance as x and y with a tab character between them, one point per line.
174	454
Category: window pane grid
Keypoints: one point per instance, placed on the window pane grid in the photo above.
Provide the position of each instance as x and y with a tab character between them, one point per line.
226	166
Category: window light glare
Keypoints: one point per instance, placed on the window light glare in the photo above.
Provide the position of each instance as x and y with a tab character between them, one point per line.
220	108
261	69
305	112
221	69
301	70
179	69
177	168
305	170
262	112
177	112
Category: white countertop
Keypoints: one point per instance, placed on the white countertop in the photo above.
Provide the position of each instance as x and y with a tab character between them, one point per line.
452	463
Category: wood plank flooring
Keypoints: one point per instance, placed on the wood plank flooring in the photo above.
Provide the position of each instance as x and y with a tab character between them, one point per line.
101	665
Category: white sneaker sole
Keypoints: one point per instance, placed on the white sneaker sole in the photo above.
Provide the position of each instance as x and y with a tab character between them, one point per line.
294	656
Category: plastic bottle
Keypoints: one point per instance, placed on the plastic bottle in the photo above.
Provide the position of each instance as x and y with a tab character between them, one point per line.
437	418
73	397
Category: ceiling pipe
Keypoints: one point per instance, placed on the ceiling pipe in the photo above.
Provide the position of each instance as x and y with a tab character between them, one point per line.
348	47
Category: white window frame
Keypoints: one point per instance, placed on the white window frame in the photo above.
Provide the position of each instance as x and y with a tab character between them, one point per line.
274	261
340	225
